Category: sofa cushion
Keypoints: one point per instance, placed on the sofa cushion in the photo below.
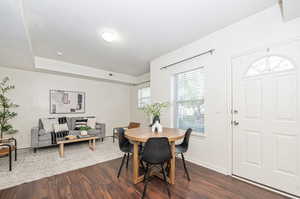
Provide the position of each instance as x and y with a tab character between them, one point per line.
60	127
48	124
46	136
74	132
91	122
94	132
80	123
71	122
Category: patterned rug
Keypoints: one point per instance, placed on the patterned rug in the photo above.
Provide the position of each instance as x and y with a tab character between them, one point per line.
46	162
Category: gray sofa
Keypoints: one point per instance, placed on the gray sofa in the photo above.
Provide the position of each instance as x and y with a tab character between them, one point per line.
41	138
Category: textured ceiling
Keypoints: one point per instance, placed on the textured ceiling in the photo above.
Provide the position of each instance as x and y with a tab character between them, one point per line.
147	29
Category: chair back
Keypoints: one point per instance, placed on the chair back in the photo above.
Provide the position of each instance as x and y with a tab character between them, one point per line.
123	141
133	125
186	140
157	150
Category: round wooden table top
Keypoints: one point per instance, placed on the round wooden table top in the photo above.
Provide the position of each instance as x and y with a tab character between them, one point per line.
142	134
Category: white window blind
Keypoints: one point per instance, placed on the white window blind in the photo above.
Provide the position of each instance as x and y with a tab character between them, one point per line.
189	100
143	96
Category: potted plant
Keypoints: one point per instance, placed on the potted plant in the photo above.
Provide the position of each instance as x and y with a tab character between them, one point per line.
5	108
84	130
154	110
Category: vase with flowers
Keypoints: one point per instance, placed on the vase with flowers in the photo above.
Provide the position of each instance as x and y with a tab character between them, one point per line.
154	111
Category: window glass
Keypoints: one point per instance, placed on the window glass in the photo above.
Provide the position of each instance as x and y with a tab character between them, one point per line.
268	65
143	97
189	100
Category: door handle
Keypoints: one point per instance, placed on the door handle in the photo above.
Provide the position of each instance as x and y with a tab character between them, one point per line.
235	123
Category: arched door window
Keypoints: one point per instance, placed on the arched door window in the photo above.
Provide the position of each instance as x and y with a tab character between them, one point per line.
269	64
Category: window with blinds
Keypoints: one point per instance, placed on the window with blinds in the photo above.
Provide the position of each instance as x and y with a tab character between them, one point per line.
189	100
143	96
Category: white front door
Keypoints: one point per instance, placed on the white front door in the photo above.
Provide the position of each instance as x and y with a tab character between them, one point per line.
266	117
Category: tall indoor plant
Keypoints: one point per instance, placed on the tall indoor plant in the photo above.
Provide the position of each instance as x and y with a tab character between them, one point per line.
5	108
154	110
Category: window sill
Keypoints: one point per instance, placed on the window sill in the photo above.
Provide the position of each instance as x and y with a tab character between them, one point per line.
198	135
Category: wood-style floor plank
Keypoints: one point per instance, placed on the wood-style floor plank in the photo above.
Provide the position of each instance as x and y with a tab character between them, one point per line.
100	182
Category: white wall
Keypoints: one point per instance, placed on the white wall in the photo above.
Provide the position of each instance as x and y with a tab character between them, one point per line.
261	29
136	114
108	101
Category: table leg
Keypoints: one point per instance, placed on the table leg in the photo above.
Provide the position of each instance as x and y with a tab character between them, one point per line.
92	144
173	162
135	162
61	150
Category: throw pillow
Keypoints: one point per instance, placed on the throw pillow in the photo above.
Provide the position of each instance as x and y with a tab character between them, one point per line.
91	122
80	123
60	127
48	124
62	120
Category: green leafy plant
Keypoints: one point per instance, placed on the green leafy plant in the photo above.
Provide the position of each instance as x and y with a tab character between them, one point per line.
5	108
84	128
155	108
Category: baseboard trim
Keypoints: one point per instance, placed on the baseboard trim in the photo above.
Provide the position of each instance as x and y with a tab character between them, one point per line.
209	166
265	187
225	172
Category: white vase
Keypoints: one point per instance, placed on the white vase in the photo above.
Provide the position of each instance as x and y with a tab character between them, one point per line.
157	127
83	133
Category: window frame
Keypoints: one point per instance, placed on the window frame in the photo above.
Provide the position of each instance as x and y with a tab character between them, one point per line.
176	102
139	100
270	72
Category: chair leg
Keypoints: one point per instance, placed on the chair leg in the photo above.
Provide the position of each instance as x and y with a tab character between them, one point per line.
146	180
16	154
15	149
123	159
127	160
143	166
9	154
184	165
165	179
146	171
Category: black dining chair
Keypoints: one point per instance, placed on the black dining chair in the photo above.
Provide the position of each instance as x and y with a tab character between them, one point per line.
183	147
156	151
126	147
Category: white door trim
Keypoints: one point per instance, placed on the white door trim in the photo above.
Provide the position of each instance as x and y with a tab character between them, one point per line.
229	97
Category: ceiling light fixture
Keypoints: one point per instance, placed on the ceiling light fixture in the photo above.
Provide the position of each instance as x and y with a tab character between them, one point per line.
59	53
109	36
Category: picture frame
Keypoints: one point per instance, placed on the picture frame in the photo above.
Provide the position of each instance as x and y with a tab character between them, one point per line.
66	102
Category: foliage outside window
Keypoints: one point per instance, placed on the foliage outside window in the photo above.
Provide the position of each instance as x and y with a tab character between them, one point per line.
143	97
189	100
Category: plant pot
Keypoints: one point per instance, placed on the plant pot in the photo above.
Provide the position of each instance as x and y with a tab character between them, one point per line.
83	133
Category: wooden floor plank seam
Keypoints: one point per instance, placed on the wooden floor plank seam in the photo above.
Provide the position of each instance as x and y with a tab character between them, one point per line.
100	182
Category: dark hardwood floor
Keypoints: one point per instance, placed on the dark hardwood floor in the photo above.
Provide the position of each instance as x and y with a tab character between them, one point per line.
100	182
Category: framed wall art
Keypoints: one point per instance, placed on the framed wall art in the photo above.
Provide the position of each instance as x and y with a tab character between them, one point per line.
64	102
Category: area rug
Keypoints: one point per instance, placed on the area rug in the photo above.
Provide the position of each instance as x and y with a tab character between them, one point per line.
46	162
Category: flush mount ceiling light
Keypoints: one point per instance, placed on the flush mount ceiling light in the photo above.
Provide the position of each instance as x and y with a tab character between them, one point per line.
59	53
109	36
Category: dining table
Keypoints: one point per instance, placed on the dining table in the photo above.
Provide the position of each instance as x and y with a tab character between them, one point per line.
137	136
